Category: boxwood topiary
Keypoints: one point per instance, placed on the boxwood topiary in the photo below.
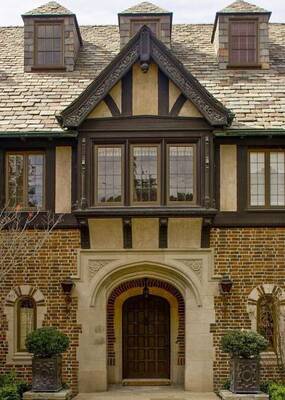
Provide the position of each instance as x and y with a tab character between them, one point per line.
244	344
46	342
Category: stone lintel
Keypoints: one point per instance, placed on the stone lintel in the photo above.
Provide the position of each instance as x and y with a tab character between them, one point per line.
228	395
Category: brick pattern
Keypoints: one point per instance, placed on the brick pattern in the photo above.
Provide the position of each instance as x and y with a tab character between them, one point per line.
139	283
252	256
56	260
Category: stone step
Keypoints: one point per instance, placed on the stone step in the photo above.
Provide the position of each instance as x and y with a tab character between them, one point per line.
146	382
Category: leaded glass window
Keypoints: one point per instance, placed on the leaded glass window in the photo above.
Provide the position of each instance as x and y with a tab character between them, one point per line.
109	177
25	180
26	320
267	178
145	174
266	319
181	173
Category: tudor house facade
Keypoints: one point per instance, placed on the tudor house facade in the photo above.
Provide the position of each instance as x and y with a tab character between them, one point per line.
163	148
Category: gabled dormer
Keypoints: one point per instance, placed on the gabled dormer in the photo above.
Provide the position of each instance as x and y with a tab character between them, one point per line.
52	38
240	36
156	18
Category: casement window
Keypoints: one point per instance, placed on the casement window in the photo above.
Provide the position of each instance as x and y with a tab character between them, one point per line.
25	180
145	180
109	175
181	174
153	25
266	178
26	321
243	43
48	45
267	319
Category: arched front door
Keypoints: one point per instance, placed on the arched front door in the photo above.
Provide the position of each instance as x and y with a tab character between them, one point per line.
146	338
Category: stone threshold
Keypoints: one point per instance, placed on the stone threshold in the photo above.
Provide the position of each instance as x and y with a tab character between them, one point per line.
146	382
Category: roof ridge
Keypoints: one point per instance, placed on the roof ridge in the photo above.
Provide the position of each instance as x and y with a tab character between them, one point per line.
244	7
50	8
145	7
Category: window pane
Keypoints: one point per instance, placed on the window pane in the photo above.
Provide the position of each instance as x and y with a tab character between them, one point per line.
26	320
277	160
109	174
257	179
35	180
15	180
181	173
145	174
49	45
266	316
243	43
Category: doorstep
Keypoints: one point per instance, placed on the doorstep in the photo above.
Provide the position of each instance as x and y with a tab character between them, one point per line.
146	382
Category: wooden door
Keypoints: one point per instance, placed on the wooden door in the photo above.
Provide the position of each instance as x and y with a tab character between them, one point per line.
146	338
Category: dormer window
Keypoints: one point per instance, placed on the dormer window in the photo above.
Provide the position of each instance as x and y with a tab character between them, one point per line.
49	45
243	43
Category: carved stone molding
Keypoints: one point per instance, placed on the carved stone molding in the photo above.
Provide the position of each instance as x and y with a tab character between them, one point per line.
95	265
195	264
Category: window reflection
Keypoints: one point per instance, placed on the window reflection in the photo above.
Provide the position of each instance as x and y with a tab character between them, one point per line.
145	174
277	179
257	178
26	320
181	173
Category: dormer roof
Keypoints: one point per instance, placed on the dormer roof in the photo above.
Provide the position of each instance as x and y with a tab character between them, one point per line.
145	8
51	8
241	6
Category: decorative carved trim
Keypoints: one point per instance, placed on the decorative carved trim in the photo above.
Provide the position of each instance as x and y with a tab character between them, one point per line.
143	45
94	266
195	264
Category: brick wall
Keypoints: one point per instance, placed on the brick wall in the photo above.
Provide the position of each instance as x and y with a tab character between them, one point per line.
252	256
56	260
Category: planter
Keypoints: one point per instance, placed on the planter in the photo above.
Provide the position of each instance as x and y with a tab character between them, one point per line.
46	374
245	375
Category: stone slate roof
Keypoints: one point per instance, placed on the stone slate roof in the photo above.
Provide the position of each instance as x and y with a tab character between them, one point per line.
145	8
29	101
242	6
50	8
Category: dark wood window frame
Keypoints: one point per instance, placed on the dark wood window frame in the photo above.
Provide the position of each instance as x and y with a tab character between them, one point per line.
267	205
255	64
163	144
48	66
19	328
26	154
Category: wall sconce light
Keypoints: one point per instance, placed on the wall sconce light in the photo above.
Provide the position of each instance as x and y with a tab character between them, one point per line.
225	285
67	286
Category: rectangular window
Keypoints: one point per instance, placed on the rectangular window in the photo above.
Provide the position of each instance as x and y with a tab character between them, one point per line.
181	173
25	180
109	176
145	174
243	43
267	178
49	45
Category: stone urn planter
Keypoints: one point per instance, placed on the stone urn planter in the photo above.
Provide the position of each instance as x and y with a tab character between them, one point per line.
244	348
46	344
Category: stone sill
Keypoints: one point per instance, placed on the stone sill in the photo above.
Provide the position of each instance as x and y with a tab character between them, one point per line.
22	358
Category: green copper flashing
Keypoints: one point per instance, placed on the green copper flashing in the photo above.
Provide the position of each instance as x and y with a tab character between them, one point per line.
250	132
38	134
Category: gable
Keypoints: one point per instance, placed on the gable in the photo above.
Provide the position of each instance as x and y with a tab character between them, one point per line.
144	67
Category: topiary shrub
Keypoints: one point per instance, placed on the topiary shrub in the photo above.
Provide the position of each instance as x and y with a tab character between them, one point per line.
8	384
244	344
276	391
9	392
46	342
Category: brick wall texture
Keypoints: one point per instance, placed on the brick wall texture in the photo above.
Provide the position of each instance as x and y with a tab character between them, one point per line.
252	256
56	260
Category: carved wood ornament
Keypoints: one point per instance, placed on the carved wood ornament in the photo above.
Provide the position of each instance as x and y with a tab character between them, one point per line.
143	48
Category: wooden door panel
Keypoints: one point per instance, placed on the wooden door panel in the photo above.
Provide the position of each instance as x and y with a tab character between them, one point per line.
146	338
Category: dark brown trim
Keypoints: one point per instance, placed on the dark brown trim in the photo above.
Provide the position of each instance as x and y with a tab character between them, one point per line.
159	212
205	237
127	233
2	178
177	106
84	235
250	219
127	94
163	94
110	103
163	233
144	123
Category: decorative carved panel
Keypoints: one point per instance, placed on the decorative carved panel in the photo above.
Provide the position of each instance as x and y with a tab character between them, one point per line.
95	265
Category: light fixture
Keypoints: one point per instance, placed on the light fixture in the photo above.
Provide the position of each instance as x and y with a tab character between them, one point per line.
226	284
67	286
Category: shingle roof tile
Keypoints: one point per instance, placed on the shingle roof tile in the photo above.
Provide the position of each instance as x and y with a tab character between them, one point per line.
241	6
50	8
145	8
29	101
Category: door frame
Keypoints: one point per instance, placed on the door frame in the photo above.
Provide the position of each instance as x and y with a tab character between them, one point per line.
163	299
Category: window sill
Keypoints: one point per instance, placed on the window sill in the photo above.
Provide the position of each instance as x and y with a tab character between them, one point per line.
245	66
265	210
48	68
